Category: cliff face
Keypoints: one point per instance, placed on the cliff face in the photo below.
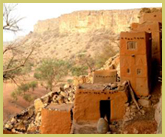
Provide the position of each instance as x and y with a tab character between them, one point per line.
84	21
77	32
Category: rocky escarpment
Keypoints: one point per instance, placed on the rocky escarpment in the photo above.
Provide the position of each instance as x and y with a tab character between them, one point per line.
84	21
77	32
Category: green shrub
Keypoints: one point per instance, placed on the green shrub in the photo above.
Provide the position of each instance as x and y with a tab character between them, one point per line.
28	97
79	70
70	81
51	70
33	85
27	68
14	96
18	92
24	87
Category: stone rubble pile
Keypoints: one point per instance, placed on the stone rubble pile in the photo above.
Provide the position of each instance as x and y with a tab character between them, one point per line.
130	113
158	116
131	110
83	79
29	120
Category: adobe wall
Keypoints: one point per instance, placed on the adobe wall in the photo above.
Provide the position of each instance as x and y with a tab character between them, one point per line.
155	29
87	103
56	119
135	56
104	76
155	16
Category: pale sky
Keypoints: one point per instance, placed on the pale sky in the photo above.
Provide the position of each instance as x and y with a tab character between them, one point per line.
41	11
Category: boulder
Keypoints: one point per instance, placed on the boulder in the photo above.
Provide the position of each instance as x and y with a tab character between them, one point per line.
66	86
63	94
8	126
21	126
144	102
102	126
38	104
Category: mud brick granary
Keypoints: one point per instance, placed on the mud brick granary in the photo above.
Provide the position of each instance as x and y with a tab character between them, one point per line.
135	60
141	50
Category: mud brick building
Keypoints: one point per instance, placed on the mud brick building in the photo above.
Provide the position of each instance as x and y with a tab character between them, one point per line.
105	76
135	57
92	102
141	50
155	28
56	119
154	16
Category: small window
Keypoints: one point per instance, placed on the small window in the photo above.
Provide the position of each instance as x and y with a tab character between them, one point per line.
131	45
128	70
139	71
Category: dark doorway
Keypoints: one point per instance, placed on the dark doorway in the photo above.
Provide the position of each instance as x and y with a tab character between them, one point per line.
105	109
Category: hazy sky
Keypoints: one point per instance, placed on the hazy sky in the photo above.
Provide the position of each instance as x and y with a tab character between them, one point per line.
41	11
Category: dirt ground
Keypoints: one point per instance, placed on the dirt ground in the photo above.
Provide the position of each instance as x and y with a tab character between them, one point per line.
11	107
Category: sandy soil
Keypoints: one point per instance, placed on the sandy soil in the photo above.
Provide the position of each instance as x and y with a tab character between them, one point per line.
11	107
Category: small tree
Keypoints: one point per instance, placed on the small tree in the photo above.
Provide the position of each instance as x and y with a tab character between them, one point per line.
79	70
24	88
14	96
85	61
18	92
13	65
28	98
33	85
51	70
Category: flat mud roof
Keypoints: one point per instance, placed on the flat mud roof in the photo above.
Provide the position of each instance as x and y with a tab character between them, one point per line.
61	107
97	86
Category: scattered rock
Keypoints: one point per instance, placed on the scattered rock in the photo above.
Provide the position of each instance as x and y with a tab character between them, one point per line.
126	104
8	126
158	116
38	104
13	120
133	106
20	126
125	132
66	86
142	112
144	102
135	131
64	94
134	110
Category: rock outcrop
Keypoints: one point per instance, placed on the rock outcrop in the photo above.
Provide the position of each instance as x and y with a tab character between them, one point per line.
84	21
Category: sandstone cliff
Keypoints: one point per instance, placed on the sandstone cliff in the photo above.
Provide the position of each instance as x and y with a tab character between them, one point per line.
84	21
77	32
